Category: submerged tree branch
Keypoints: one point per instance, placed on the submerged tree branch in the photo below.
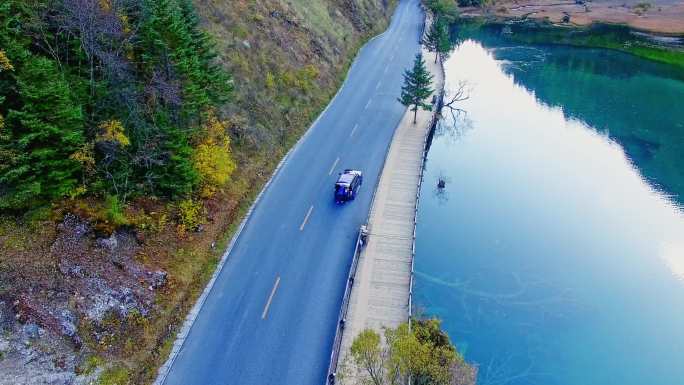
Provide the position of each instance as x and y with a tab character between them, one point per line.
459	94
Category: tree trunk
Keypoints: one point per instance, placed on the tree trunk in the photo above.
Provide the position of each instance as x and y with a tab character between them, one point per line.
415	113
436	56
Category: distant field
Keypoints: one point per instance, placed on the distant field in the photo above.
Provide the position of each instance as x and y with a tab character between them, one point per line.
662	16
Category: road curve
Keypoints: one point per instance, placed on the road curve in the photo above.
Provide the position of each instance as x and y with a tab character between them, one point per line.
270	317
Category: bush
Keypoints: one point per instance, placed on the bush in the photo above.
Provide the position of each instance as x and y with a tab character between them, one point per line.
91	363
213	158
113	131
423	353
190	214
5	63
114	211
443	9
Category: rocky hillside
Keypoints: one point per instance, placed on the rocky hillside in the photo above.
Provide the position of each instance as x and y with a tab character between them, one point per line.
94	287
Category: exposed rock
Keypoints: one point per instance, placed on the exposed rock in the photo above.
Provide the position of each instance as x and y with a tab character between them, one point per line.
100	305
32	331
67	321
106	300
61	378
40	361
5	316
4	346
128	302
158	278
110	243
71	270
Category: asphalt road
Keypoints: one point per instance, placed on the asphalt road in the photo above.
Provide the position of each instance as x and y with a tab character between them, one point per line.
270	317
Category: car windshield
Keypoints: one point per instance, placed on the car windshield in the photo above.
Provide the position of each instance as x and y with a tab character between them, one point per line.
340	190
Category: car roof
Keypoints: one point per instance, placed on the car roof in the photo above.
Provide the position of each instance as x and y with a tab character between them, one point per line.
346	178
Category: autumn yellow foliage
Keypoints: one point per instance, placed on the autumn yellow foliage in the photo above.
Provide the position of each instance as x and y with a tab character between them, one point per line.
113	131
86	157
213	158
190	215
5	63
105	5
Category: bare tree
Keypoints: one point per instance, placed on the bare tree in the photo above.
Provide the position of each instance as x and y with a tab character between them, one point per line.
102	32
451	97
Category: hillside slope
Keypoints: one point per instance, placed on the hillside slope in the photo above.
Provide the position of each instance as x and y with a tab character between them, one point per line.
92	290
288	56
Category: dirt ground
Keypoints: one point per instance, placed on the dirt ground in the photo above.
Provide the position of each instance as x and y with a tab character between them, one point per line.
659	16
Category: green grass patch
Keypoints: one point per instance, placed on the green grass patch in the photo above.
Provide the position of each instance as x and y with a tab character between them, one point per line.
115	211
114	376
91	363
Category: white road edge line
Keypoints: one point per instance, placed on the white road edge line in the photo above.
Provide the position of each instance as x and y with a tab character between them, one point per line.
354	130
378	86
368	104
306	218
386	69
270	298
333	166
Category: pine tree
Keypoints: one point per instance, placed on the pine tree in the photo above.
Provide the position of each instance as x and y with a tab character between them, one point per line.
42	124
42	134
177	176
437	39
431	39
176	38
176	49
214	80
164	79
444	44
417	87
445	9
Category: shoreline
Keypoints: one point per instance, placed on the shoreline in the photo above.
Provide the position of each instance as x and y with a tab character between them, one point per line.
666	49
660	17
380	286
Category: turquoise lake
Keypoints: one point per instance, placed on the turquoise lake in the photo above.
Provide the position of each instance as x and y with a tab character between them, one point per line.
555	254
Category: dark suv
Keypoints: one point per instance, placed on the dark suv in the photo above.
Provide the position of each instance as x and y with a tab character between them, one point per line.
347	185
